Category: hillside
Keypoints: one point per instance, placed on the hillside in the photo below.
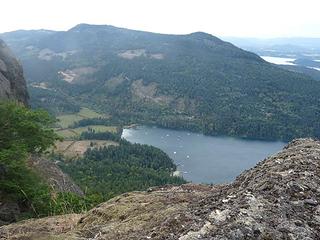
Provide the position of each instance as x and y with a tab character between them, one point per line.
32	183
74	177
196	81
12	83
276	199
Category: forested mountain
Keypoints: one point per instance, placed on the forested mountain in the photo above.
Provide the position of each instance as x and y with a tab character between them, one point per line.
195	81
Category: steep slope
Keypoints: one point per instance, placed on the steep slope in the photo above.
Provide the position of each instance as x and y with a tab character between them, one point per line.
277	199
12	82
13	87
194	81
54	176
59	182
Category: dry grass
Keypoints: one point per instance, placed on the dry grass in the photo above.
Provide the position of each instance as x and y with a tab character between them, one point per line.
67	133
44	228
75	149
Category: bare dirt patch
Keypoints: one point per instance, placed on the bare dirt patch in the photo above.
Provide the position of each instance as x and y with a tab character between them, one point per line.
47	54
148	93
131	54
77	75
158	56
136	53
112	83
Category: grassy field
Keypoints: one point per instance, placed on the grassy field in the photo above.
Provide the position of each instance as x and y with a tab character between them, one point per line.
66	120
72	147
67	133
71	133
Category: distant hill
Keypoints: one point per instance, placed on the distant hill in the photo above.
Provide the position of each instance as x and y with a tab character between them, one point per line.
194	81
305	52
285	45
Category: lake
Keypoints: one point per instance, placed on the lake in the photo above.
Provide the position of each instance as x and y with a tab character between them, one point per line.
279	60
204	159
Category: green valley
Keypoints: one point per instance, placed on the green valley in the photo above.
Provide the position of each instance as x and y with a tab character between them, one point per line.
195	82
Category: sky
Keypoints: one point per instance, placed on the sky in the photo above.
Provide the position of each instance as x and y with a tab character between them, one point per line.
238	18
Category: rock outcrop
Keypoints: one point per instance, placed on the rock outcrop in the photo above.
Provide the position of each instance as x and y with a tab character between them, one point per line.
12	83
277	199
50	172
54	176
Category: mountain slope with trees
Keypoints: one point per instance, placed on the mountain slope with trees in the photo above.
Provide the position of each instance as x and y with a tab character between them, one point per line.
195	81
33	185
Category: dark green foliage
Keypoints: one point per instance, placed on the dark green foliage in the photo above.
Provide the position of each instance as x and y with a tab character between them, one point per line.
56	102
315	74
30	130
24	132
92	135
98	121
128	167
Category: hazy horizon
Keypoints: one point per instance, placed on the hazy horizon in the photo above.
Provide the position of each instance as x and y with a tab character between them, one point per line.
230	18
220	36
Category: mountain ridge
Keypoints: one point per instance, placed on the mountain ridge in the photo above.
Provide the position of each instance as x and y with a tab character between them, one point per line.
195	82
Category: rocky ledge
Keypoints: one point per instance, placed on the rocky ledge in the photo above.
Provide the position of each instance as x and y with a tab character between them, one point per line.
12	83
277	199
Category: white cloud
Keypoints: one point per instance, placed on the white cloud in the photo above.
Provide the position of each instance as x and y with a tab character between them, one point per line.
256	18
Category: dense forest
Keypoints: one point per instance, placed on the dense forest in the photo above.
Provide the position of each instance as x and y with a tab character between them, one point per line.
109	171
195	81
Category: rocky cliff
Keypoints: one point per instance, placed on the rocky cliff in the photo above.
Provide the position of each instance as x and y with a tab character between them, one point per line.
277	199
12	83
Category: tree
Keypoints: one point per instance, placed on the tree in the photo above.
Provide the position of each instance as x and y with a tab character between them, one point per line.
23	132
28	129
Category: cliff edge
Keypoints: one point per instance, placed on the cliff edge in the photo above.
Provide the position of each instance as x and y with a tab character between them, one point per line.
12	83
277	199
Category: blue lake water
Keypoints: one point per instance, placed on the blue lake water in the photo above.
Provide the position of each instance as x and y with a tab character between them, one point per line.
204	159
